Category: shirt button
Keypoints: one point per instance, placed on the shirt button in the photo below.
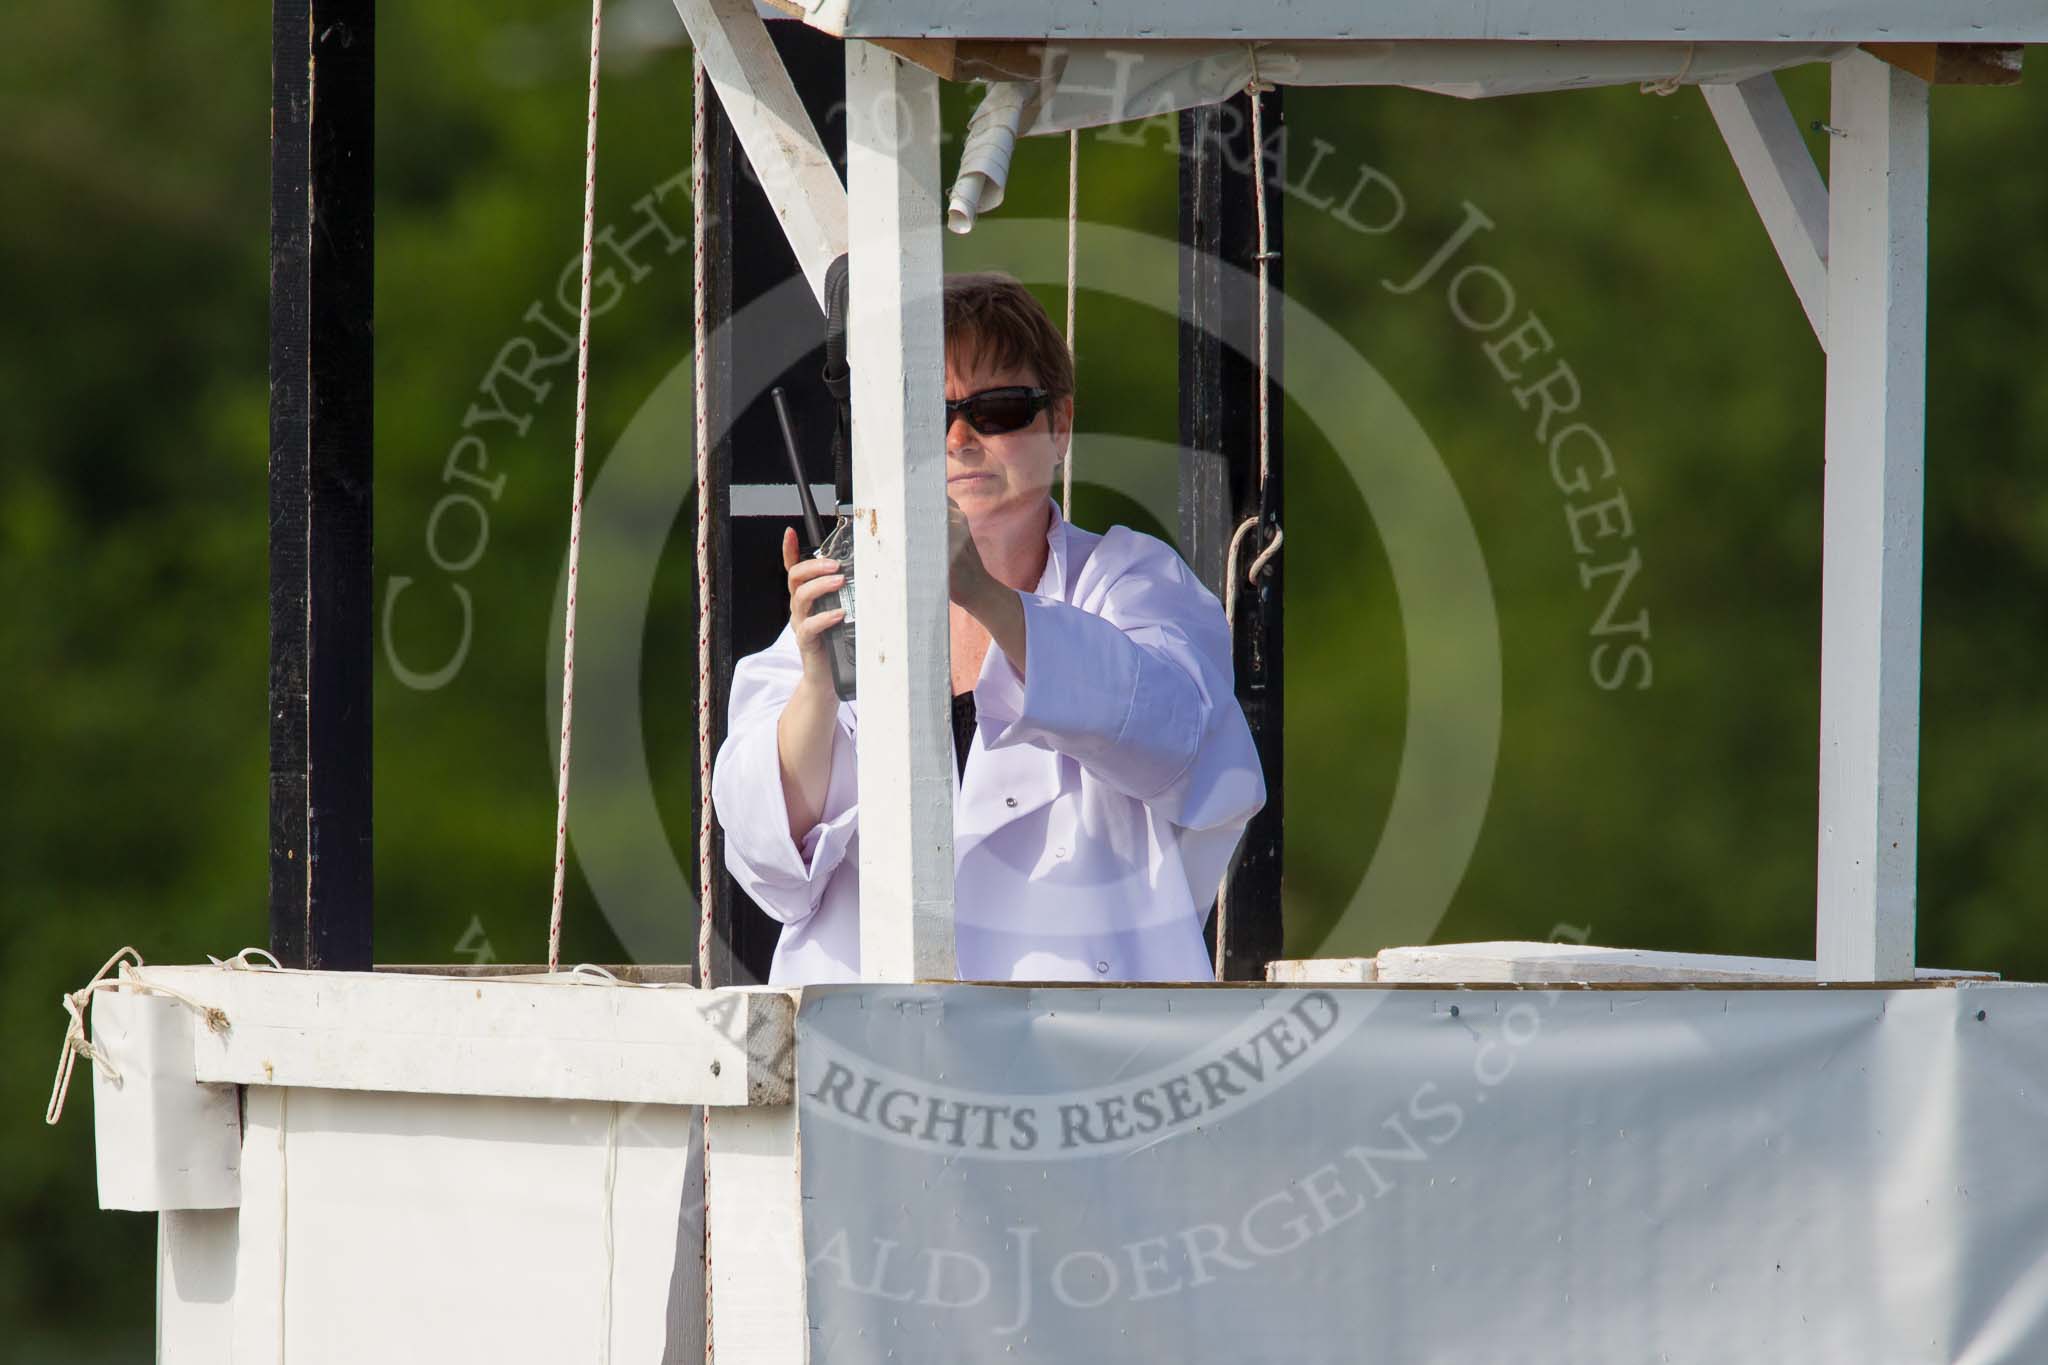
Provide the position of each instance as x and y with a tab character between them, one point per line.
1009	800
1059	853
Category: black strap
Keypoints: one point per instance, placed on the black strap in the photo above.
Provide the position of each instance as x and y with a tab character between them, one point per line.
838	375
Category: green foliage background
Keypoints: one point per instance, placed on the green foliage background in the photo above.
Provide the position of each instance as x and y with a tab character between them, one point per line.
133	149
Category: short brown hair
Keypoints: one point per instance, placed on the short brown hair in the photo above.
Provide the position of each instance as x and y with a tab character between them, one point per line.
993	318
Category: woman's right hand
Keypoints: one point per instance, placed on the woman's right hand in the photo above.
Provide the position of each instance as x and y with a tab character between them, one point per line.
811	578
803	735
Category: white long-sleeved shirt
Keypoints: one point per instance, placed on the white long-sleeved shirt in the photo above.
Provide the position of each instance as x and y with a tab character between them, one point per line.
1104	792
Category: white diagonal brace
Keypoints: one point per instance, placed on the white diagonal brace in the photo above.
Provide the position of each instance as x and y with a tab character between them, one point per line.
1783	182
1872	499
774	130
903	640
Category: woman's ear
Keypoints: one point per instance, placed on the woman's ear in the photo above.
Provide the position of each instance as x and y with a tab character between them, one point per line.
1063	423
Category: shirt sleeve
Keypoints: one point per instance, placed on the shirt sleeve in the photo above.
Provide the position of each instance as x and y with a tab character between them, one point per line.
1134	682
786	878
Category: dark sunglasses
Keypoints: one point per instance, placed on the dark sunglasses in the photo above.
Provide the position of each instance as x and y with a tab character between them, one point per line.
994	412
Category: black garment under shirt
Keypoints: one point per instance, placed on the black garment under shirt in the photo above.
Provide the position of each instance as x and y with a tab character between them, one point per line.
963	728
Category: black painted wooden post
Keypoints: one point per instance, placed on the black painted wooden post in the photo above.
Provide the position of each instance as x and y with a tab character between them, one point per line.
1219	483
748	257
725	964
323	69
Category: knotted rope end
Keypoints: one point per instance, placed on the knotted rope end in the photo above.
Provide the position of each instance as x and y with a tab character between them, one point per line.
118	971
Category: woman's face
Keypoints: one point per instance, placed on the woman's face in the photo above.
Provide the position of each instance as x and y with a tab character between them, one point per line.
1007	472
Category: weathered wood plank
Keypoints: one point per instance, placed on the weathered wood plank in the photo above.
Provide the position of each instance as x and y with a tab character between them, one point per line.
632	973
1502	962
1953	63
490	1036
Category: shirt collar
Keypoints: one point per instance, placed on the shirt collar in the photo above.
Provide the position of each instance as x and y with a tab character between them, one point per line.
1053	582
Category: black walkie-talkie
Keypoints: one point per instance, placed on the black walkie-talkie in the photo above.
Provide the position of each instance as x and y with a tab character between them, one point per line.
835	545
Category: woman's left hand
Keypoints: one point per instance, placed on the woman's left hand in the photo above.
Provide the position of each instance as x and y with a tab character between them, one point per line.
970	580
980	593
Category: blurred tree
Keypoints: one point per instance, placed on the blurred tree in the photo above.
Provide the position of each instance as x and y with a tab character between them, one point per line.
132	368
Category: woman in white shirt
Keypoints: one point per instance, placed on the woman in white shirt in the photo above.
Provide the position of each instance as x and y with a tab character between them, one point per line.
1104	770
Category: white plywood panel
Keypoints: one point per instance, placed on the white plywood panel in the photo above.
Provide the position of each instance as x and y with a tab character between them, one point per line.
548	1039
260	1230
1872	506
899	487
658	1236
1967	21
409	1229
755	1221
195	1286
163	1141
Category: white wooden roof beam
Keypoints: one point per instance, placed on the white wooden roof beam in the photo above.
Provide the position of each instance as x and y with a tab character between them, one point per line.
773	129
1783	183
1755	21
902	639
1872	509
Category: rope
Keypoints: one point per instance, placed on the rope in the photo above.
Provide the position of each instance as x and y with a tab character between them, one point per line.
699	276
1254	87
1266	255
240	961
576	497
1073	257
76	1044
1668	85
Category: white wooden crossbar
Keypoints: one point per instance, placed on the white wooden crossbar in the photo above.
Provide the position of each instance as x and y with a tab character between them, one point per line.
490	1036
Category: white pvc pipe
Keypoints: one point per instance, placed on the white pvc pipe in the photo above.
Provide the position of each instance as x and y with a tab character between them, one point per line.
985	160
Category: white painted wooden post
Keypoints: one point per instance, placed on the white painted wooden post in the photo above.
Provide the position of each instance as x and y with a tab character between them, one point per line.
1783	183
895	208
1870	586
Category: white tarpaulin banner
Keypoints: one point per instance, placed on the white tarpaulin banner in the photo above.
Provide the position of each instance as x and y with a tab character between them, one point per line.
1268	1174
